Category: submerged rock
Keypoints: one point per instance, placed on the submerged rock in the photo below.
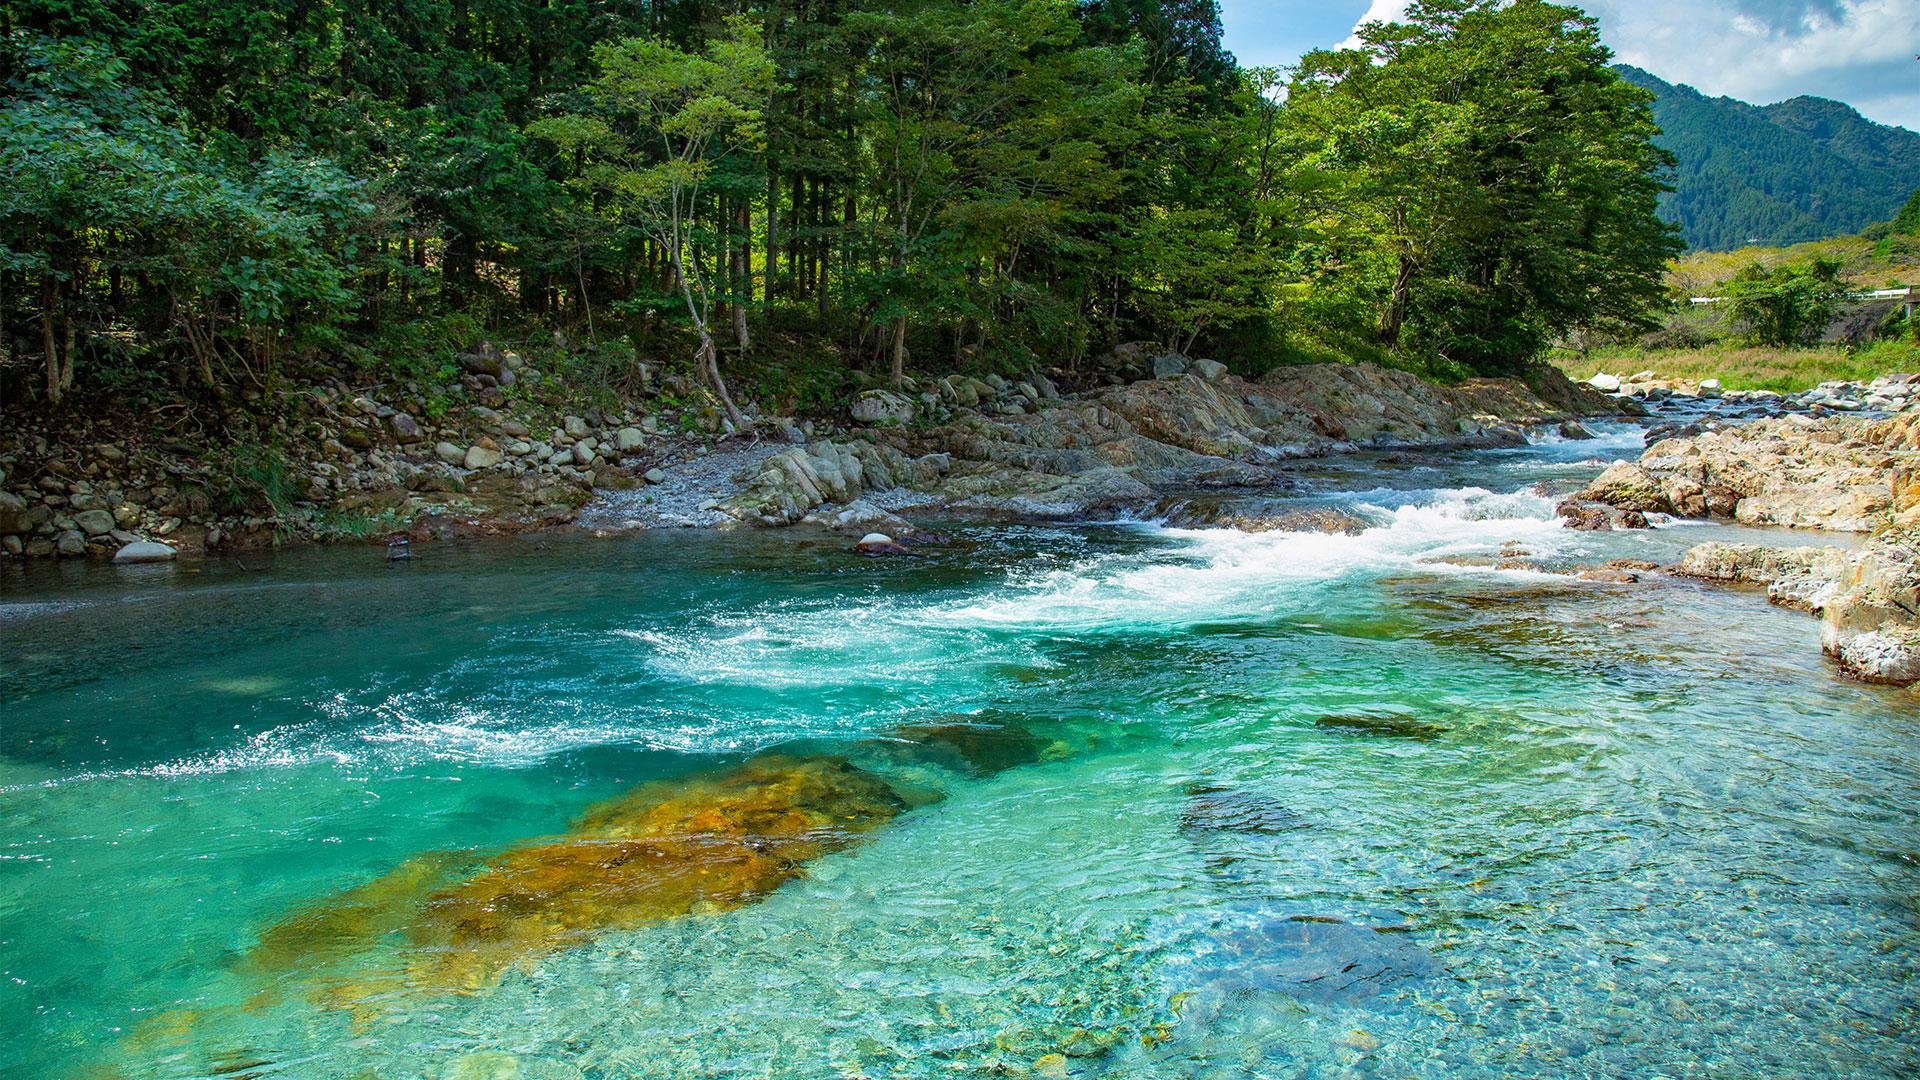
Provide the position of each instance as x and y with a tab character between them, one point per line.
1237	810
1385	725
968	747
1309	958
705	843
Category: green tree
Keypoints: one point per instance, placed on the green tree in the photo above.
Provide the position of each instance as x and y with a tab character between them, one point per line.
1788	305
105	184
989	125
1482	167
1907	223
665	119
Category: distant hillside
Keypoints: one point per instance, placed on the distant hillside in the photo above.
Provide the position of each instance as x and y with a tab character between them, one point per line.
1780	174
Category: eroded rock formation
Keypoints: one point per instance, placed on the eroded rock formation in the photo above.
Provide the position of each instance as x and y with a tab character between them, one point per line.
1117	449
1841	474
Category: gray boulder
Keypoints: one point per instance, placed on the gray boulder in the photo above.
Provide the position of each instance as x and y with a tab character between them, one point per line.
882	407
879	544
1209	369
406	430
144	551
94	522
14	517
1167	365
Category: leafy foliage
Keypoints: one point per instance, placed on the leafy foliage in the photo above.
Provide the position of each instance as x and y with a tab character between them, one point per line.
1785	305
1907	222
203	193
1484	179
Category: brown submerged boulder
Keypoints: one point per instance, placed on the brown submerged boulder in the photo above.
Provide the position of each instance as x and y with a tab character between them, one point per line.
696	844
457	921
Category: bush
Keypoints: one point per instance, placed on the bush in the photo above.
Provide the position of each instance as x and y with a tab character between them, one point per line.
1788	305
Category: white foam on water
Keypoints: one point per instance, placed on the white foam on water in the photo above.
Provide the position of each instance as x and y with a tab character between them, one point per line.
876	642
879	646
287	746
1223	574
418	728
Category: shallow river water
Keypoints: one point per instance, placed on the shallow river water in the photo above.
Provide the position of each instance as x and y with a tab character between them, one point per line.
1150	803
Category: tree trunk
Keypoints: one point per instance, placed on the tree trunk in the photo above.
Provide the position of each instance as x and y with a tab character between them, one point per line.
899	372
1395	316
741	265
50	334
793	242
706	359
823	200
770	250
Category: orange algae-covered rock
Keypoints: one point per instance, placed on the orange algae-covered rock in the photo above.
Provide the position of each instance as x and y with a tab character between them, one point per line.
705	843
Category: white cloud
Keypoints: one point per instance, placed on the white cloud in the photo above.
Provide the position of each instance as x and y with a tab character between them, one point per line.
1377	11
1858	51
1861	51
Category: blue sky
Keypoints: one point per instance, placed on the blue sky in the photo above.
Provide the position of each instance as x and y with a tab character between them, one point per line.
1861	52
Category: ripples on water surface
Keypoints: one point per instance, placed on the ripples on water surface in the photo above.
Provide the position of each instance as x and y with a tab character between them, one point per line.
1295	805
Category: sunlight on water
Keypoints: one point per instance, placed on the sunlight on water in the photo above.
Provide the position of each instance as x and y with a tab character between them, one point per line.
1116	801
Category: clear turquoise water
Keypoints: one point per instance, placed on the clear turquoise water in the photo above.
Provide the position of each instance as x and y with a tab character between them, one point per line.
1653	834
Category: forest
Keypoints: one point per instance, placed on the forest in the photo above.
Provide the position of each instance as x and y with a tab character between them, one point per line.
1797	171
207	198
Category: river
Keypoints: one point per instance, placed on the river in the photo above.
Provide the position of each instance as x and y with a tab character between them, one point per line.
1240	805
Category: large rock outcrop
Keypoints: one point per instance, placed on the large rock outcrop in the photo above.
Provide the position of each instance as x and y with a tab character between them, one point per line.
1845	474
1868	600
1841	473
1122	447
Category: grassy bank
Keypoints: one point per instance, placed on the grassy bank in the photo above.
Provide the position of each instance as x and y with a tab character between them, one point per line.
1748	368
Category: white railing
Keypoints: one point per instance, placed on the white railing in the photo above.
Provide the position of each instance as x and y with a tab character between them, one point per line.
1876	294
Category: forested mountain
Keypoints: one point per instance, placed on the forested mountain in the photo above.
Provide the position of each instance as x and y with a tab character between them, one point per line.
1800	170
202	197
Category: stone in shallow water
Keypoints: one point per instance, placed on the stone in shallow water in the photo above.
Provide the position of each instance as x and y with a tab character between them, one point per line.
1383	725
969	747
1238	810
1311	959
144	551
701	844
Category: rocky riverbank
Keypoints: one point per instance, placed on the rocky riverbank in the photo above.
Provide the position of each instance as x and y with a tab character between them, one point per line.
352	463
1838	473
1123	448
1889	393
